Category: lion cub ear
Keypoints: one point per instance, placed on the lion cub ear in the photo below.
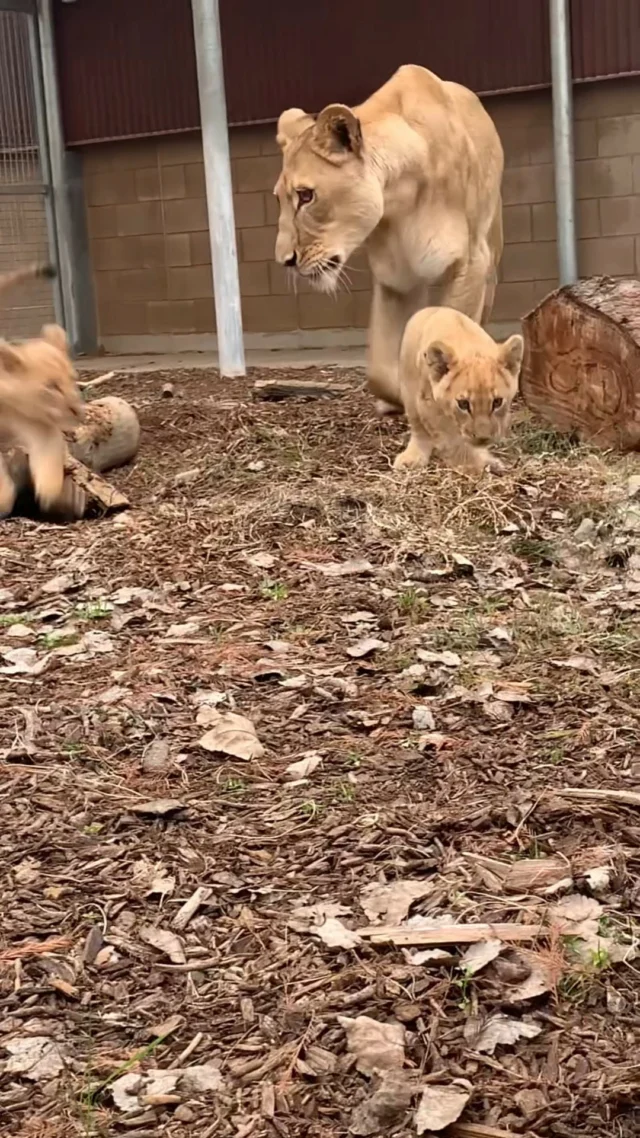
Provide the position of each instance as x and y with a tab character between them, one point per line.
511	355
337	132
291	124
439	358
11	358
56	336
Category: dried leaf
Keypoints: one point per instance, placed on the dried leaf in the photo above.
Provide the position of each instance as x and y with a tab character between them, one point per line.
391	903
355	568
537	983
423	719
178	631
303	767
377	1046
164	941
333	933
513	693
382	1109
307	917
449	659
201	1078
366	647
479	955
233	735
124	1091
35	1056
156	758
439	1107
23	662
158	807
575	909
500	1029
436	740
579	664
362	617
261	560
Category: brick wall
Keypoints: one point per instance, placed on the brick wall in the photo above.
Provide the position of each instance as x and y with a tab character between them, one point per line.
150	250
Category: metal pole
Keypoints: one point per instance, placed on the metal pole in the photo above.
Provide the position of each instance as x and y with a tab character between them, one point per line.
217	172
562	94
63	170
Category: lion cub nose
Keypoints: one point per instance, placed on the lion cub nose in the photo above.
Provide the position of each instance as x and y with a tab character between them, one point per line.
292	260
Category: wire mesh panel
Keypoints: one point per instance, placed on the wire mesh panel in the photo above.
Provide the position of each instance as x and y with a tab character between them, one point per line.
24	235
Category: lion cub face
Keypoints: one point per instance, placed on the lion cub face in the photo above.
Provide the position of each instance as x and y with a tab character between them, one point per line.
329	200
474	392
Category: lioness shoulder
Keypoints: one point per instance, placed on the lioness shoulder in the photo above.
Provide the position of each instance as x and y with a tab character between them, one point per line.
457	386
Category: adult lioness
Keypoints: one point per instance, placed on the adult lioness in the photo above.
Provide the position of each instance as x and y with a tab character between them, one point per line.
414	175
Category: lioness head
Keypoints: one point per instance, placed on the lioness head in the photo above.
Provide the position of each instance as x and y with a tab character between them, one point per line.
476	391
330	200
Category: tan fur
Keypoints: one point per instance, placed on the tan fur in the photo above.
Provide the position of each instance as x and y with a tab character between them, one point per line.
39	400
447	359
413	174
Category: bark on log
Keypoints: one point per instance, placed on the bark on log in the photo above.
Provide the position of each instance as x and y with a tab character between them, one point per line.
581	369
108	437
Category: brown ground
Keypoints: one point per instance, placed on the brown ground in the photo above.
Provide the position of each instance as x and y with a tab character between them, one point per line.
109	724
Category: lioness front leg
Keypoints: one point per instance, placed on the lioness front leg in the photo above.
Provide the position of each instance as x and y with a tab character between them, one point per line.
46	450
389	314
467	291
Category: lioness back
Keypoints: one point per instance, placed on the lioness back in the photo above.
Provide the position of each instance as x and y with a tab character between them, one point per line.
457	386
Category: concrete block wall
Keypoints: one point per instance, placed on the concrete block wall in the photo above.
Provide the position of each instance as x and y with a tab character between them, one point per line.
150	250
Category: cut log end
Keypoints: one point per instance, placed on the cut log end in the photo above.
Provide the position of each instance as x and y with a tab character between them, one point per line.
581	371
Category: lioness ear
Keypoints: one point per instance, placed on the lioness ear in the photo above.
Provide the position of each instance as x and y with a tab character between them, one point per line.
511	353
10	357
439	358
290	125
56	336
338	131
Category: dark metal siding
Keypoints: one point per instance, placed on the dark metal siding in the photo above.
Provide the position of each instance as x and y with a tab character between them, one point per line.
605	38
127	67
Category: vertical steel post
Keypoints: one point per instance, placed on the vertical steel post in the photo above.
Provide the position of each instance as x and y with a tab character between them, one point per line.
217	172
562	94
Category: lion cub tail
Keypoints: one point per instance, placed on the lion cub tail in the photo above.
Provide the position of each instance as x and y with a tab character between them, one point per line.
27	273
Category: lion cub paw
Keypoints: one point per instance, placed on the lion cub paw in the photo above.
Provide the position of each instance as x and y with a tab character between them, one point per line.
412	457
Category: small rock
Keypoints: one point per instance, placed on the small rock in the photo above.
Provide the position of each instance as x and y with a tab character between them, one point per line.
586	530
633	486
156	759
184	1114
423	719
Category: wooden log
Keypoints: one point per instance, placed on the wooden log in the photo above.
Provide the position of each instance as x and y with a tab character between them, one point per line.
275	390
581	369
108	437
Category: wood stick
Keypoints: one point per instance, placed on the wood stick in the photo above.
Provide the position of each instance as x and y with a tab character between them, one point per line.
585	794
277	389
87	384
450	934
477	1130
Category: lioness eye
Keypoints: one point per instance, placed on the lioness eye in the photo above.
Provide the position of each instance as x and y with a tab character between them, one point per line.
497	403
464	405
305	195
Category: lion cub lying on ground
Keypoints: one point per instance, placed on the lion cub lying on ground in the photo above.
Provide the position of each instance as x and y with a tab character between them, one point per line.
39	400
456	386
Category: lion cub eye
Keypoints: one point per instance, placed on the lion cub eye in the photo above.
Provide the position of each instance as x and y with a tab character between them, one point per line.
464	405
497	403
305	195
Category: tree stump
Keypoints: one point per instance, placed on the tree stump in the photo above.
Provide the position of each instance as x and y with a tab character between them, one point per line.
581	369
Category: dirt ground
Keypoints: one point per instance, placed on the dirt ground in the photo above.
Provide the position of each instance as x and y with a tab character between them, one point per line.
443	658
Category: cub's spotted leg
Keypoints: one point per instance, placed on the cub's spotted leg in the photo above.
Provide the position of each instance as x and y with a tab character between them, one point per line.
416	453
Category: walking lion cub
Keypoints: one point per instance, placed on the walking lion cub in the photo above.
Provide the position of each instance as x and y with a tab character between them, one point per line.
39	400
456	386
